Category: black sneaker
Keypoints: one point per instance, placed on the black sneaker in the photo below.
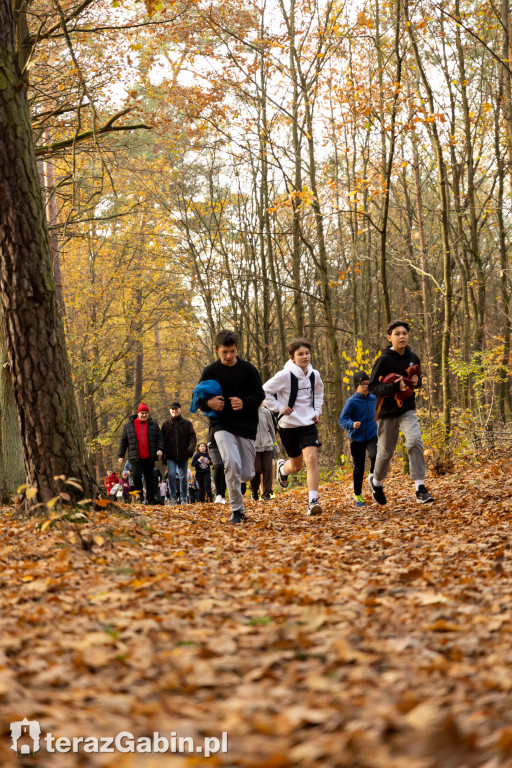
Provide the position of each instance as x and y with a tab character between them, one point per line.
423	496
377	492
236	517
266	497
281	479
314	508
254	496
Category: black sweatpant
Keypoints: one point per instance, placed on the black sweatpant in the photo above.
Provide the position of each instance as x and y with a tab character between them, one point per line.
358	451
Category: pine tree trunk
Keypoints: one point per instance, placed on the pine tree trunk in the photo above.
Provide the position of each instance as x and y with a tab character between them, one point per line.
12	468
34	335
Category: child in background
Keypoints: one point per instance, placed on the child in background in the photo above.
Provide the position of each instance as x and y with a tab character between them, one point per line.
163	491
358	418
201	462
125	482
192	487
265	439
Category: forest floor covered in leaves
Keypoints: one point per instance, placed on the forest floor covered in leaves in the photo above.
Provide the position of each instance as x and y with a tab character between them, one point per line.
372	638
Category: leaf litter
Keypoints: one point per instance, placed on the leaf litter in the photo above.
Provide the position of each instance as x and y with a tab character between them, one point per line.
365	638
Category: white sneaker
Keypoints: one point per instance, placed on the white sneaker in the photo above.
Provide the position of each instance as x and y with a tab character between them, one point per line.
281	479
219	500
314	508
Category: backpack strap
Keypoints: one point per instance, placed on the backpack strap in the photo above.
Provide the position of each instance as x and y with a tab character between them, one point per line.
294	388
312	380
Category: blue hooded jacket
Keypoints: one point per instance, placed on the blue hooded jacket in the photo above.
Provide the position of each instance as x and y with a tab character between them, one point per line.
205	390
359	408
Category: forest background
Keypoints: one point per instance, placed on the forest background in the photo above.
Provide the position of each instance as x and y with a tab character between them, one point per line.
285	168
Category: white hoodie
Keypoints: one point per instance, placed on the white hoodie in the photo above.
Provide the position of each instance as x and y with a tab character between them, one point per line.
277	391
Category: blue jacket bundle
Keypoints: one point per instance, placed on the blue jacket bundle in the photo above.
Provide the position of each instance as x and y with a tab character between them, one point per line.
359	408
204	391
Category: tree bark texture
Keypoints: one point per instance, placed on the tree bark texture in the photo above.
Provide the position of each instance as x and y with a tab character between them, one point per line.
12	468
34	335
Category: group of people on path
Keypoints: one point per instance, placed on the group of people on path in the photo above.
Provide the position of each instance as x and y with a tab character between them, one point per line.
174	442
241	436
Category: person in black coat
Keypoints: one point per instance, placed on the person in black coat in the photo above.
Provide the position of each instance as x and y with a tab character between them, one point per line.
395	377
179	445
144	441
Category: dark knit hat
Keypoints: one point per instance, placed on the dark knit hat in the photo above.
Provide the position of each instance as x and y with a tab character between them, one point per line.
360	376
174	405
142	407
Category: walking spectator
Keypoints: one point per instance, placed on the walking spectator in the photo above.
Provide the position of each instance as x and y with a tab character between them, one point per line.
144	441
233	429
179	445
125	482
192	487
163	491
296	393
201	463
265	439
358	418
110	480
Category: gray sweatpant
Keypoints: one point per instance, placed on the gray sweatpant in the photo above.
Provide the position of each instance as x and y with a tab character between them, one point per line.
238	455
387	435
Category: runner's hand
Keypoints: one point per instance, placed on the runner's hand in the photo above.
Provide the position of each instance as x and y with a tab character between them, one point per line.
216	403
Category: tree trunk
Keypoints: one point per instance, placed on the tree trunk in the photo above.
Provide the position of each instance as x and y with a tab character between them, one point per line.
12	468
443	187
34	334
298	306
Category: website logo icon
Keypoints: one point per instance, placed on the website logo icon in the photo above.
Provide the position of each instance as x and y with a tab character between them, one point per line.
25	735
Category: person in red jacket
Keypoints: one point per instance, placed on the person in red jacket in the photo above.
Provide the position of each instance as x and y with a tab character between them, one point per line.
145	443
110	480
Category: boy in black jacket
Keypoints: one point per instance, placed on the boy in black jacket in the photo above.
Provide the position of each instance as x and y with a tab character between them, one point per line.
234	428
396	411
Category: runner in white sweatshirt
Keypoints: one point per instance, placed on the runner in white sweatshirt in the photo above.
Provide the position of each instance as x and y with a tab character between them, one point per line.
296	394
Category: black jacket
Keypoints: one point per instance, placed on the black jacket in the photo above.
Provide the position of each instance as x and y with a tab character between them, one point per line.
129	440
240	380
392	362
179	438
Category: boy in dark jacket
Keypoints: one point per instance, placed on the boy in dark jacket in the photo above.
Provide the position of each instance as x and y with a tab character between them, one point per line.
233	429
142	436
396	411
358	418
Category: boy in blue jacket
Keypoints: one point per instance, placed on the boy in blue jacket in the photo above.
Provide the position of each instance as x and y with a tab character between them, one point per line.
358	417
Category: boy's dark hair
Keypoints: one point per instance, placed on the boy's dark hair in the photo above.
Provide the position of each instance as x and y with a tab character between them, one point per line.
397	324
295	344
226	338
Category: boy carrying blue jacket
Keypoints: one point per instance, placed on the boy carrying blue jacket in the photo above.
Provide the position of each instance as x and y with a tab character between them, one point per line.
358	418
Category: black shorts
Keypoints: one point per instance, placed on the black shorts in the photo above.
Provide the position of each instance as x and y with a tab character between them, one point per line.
295	439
